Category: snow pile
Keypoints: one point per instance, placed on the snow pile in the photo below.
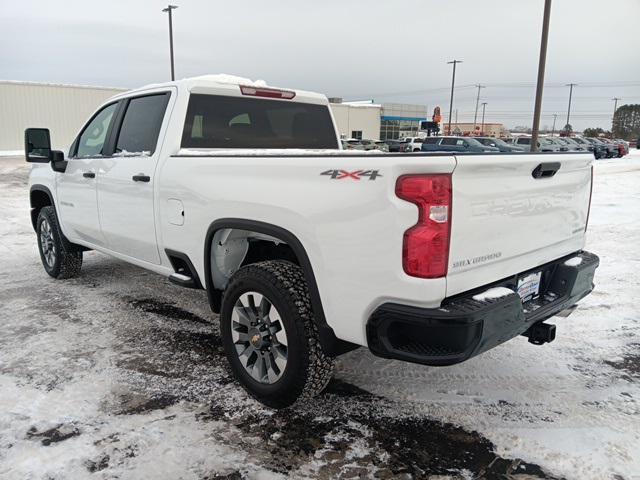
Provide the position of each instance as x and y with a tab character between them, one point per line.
11	153
493	293
573	262
230	79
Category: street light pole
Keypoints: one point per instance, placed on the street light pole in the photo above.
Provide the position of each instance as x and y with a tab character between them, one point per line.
475	116
615	107
553	129
168	10
570	85
541	66
453	83
484	106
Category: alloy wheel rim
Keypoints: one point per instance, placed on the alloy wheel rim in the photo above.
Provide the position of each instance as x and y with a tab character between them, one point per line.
259	337
46	243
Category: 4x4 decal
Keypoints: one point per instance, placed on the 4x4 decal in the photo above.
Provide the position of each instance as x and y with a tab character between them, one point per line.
355	175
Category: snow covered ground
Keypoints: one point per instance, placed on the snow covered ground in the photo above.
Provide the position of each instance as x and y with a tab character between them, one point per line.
118	373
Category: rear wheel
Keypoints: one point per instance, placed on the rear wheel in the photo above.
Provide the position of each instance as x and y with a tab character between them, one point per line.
60	258
269	335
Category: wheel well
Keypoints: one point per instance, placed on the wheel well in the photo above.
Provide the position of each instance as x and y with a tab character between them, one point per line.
38	199
233	248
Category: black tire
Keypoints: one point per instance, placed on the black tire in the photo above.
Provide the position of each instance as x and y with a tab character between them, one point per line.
66	260
308	369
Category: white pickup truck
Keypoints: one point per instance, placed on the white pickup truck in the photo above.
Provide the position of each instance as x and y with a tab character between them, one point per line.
308	251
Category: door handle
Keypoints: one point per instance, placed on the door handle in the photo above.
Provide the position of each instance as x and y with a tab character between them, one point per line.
546	170
141	178
89	175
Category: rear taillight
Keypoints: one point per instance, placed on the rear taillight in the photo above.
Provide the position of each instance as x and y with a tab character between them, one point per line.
267	92
590	197
425	249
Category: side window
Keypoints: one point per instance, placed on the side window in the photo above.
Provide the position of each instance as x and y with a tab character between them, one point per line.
141	124
461	143
449	141
356	134
94	135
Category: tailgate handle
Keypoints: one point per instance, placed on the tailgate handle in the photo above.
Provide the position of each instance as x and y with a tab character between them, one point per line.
546	170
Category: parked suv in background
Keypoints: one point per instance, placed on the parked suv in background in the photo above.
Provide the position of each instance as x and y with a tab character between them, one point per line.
499	144
374	145
601	149
562	146
414	144
544	145
455	144
397	146
352	144
583	142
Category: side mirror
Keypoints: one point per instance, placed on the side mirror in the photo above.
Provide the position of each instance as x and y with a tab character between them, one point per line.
37	145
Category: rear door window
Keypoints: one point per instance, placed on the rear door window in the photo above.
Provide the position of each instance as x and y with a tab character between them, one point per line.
215	121
141	124
449	141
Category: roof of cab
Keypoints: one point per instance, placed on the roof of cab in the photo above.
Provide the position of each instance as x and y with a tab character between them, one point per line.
227	85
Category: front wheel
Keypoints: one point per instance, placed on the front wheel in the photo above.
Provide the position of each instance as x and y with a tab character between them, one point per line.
269	335
60	258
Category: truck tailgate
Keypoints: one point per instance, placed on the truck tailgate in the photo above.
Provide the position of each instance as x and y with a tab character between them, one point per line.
506	221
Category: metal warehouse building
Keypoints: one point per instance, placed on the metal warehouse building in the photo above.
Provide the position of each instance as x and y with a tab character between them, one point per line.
63	109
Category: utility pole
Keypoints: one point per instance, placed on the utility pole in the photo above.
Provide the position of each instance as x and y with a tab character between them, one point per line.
453	83
615	107
484	106
553	129
541	66
168	10
475	116
570	85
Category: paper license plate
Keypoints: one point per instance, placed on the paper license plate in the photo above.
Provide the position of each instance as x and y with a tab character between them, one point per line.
529	286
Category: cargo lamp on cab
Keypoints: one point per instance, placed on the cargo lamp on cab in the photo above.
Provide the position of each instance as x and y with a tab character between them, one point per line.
267	92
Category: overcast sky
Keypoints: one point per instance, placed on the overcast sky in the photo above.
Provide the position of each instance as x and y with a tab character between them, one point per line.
355	49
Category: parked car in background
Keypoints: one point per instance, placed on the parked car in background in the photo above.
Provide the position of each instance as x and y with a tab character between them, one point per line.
374	145
583	143
572	145
544	145
455	144
599	148
352	144
396	146
609	150
414	143
562	146
624	146
499	144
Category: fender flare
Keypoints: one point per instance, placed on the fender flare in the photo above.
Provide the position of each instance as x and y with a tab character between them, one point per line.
39	188
331	344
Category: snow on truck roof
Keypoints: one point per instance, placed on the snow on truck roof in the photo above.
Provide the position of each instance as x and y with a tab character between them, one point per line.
222	82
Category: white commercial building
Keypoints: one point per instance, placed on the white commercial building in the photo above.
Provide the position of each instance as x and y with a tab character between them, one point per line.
63	109
356	120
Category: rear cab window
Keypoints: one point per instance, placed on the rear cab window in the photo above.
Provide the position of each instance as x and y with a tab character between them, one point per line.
215	121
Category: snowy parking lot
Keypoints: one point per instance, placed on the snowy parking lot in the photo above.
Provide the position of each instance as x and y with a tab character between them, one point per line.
119	374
